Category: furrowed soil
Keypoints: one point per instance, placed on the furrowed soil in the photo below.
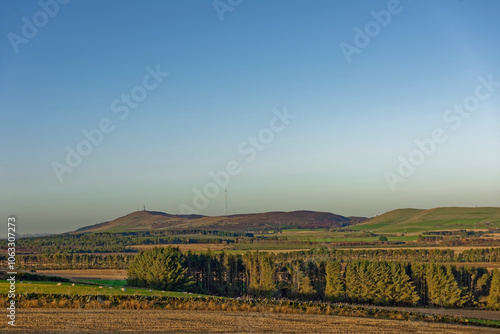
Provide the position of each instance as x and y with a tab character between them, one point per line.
178	321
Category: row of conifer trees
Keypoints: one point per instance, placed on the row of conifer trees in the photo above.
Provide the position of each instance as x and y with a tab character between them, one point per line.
122	261
360	281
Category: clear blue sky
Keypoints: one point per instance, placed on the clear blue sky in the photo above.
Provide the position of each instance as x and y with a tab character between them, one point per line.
352	119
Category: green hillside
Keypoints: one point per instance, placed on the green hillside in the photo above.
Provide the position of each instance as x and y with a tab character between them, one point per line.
419	220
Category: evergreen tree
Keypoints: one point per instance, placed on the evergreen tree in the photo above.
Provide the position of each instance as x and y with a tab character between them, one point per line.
383	294
443	288
402	287
353	284
305	287
334	290
366	282
267	285
159	268
494	296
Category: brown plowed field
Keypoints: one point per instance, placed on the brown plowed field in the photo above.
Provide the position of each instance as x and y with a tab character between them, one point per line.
144	321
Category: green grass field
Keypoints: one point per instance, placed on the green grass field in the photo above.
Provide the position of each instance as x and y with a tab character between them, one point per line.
87	289
416	220
113	283
320	235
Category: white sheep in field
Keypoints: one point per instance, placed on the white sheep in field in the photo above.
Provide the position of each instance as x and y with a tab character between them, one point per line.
123	289
59	284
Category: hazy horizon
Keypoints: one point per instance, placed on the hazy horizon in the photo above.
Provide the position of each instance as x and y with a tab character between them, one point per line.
351	108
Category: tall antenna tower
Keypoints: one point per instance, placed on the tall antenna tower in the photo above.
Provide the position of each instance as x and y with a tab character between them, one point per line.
225	191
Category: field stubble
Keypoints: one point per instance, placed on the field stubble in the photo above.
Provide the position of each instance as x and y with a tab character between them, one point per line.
181	321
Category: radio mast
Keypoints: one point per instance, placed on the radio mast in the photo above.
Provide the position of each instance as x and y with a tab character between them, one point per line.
225	191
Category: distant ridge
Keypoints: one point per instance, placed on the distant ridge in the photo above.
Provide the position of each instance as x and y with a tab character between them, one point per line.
154	220
395	221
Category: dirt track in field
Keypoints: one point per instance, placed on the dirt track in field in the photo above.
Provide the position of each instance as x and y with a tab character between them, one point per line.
106	274
147	321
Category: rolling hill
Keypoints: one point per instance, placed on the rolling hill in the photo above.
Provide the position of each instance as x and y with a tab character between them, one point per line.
418	220
153	220
396	221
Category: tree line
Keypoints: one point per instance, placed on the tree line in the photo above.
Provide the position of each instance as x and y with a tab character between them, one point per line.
118	242
122	261
318	279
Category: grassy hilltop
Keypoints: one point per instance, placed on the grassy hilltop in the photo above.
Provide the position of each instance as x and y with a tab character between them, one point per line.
419	220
